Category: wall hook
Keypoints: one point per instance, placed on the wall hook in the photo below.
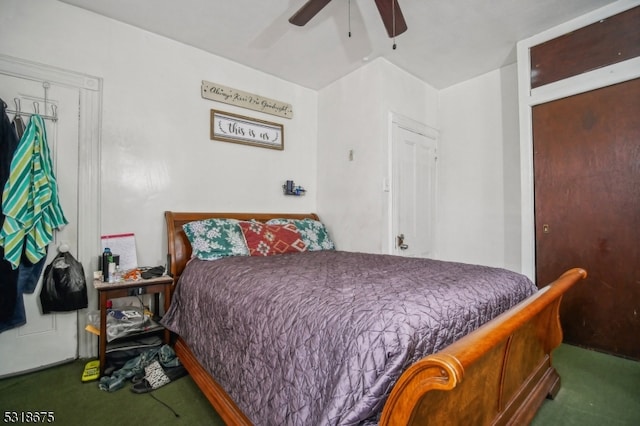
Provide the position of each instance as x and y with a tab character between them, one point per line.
45	86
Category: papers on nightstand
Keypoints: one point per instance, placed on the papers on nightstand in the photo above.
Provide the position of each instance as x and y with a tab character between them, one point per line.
123	245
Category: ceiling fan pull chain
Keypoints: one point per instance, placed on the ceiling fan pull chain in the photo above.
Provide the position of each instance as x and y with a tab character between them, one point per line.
393	18
349	18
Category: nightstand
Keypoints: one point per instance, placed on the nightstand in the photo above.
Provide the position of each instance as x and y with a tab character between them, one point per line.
156	286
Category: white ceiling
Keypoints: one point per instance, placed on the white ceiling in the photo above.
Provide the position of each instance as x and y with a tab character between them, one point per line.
448	41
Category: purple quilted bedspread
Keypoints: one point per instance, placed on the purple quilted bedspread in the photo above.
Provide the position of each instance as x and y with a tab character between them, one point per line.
320	338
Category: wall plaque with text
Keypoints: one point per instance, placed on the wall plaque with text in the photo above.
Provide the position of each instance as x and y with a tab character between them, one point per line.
228	95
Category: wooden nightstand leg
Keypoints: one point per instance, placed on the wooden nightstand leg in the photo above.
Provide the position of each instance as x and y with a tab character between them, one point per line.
167	301
102	341
156	304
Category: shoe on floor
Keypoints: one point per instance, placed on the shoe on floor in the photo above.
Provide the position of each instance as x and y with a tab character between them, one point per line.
156	377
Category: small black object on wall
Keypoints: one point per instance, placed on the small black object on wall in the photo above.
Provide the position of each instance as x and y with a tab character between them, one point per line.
290	188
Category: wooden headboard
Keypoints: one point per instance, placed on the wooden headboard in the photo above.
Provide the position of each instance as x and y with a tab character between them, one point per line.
179	249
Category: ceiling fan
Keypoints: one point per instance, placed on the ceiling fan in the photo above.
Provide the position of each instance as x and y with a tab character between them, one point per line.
389	11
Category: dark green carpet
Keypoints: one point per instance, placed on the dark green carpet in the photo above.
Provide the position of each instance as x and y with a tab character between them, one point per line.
597	389
59	389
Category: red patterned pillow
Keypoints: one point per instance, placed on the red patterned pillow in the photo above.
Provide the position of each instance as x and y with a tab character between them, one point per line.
267	240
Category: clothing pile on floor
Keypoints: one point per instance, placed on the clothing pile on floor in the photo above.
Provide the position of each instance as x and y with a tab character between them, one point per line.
150	370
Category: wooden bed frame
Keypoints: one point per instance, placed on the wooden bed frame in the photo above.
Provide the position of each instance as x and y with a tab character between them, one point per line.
498	374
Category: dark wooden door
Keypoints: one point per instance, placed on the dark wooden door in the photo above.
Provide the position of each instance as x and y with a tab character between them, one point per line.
587	212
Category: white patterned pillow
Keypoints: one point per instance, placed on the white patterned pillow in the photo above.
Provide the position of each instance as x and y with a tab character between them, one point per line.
313	233
213	239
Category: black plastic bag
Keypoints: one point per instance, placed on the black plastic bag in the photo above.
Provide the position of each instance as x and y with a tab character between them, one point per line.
64	286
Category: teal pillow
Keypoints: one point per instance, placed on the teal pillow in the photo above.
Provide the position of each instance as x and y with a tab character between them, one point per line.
313	233
214	238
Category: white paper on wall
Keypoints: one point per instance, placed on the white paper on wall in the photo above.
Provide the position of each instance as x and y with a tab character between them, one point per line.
123	245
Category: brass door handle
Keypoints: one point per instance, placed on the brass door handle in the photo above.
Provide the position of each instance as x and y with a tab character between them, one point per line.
400	242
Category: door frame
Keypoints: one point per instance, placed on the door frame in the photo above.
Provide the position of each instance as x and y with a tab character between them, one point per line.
90	89
396	119
528	98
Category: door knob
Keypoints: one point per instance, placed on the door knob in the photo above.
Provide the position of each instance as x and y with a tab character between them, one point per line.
401	244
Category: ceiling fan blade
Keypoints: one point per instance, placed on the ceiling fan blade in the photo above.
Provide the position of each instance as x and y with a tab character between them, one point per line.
388	10
308	11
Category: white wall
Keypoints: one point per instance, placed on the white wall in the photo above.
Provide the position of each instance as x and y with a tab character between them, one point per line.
478	160
354	115
156	154
479	171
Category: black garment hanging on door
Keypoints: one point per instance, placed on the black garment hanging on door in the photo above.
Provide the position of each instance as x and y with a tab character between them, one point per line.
8	275
18	125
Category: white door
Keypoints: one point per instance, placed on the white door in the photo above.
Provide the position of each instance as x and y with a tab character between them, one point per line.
52	338
413	191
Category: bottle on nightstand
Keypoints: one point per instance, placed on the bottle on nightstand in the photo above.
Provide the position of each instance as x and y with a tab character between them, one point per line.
107	258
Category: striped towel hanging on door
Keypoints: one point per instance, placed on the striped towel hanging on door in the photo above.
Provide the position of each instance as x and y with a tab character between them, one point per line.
30	198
